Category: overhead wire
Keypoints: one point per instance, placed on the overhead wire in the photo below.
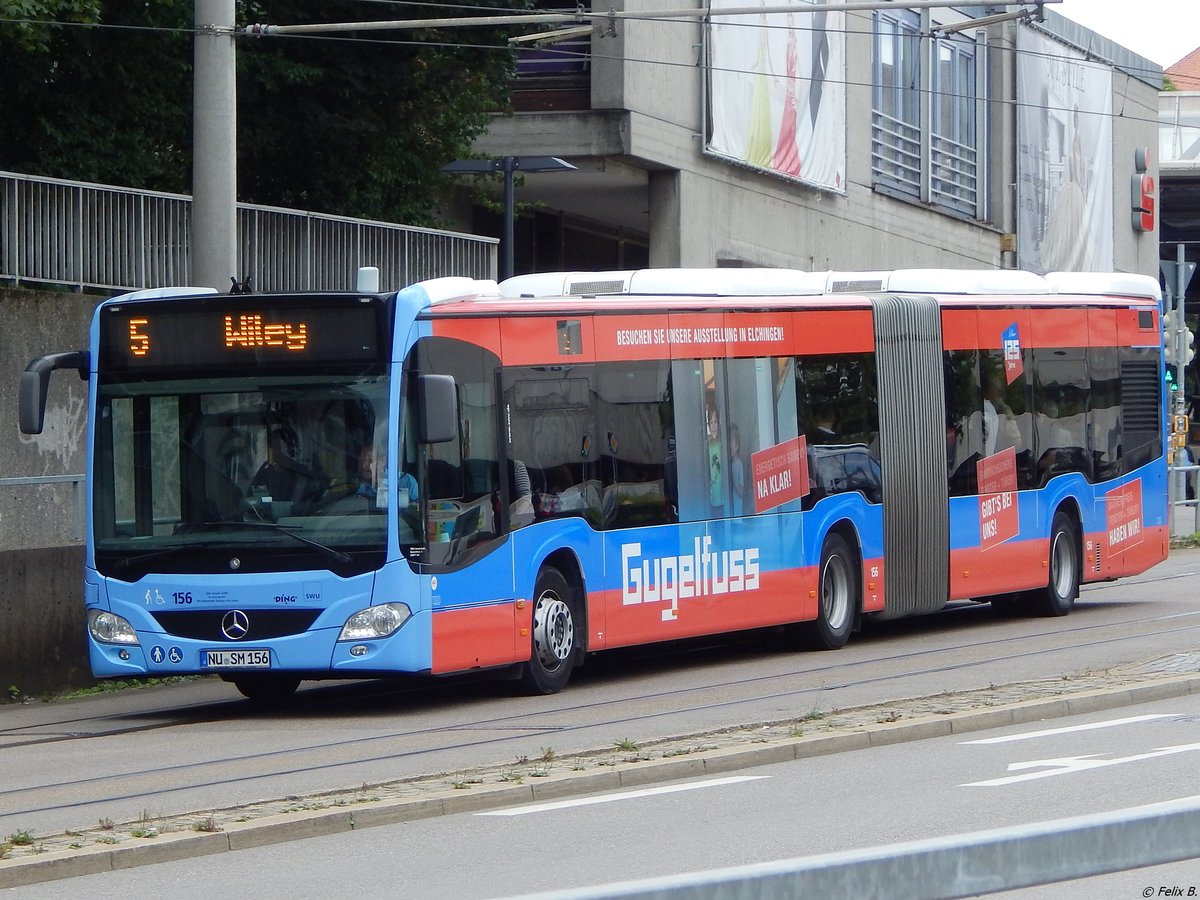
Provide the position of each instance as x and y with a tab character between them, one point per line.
358	40
592	53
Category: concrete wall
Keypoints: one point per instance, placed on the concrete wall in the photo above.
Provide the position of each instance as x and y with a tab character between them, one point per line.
42	643
42	640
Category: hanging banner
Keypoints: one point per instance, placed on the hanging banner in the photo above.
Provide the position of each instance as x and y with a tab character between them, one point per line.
1064	159
777	89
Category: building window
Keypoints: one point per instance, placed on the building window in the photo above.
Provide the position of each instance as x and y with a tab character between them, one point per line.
954	156
896	122
926	131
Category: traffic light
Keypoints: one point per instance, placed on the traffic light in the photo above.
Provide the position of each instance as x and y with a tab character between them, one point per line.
1171	342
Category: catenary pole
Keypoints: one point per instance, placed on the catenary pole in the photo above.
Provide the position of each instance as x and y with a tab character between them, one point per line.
214	147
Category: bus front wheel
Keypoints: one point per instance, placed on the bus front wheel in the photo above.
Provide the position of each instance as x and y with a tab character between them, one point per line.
837	599
266	688
554	636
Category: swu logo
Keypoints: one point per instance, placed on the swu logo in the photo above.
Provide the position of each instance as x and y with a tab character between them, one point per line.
669	579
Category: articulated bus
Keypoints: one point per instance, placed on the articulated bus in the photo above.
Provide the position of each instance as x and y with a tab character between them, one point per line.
469	476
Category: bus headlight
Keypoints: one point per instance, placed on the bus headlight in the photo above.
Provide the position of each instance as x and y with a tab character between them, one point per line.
109	628
375	622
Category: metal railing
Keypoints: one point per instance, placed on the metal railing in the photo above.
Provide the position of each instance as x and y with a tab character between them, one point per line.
100	237
1181	477
78	495
942	868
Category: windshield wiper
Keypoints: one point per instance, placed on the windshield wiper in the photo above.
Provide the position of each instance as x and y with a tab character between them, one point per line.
336	555
128	561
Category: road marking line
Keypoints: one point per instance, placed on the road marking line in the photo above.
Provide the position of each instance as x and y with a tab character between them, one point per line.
1111	723
1069	764
625	795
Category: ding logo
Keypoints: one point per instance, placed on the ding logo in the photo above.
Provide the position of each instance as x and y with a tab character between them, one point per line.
235	625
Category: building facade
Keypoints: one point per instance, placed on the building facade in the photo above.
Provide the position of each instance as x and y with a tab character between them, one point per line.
816	138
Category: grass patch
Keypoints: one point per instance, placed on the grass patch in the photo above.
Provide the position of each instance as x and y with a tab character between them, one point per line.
110	686
1188	542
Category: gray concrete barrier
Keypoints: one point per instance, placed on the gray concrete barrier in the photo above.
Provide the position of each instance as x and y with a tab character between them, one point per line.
964	865
43	647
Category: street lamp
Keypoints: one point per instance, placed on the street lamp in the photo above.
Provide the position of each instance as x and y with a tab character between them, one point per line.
508	165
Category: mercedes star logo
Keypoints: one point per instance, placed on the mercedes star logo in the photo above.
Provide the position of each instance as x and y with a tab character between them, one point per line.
235	625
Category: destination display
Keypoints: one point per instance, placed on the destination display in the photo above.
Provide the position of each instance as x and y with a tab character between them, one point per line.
236	332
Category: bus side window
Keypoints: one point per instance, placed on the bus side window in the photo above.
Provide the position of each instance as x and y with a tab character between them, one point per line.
636	453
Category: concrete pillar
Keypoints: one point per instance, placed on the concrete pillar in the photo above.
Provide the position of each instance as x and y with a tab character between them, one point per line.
666	239
214	148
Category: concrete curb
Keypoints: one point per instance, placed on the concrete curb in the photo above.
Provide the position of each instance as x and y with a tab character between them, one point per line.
289	826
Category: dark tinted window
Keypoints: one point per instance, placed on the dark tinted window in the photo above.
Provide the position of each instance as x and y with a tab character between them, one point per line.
637	443
964	420
552	442
1104	411
1061	386
839	410
1006	417
460	493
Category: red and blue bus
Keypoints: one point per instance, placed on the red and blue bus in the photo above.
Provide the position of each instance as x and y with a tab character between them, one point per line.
469	476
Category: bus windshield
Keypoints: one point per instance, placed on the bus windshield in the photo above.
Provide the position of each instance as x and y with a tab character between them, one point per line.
260	473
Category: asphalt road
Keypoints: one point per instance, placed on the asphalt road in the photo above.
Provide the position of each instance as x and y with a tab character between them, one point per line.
154	753
941	787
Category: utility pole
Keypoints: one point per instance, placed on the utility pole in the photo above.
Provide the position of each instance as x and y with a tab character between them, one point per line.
214	147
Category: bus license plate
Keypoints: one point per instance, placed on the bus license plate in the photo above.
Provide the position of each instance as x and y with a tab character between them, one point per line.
237	659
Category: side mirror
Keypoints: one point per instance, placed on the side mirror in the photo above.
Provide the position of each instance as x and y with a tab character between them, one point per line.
437	413
35	383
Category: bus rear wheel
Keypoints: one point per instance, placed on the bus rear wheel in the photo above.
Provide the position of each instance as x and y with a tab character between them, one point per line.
554	637
1062	587
837	600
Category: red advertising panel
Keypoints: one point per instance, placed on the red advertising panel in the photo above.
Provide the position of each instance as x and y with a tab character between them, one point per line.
998	518
780	474
1124	507
759	334
698	335
821	331
631	337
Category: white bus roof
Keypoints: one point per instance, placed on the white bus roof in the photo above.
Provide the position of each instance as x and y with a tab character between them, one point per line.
1121	284
778	282
457	287
938	281
697	282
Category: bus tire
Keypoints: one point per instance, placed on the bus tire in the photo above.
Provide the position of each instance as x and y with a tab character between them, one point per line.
837	595
554	635
266	688
1062	586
